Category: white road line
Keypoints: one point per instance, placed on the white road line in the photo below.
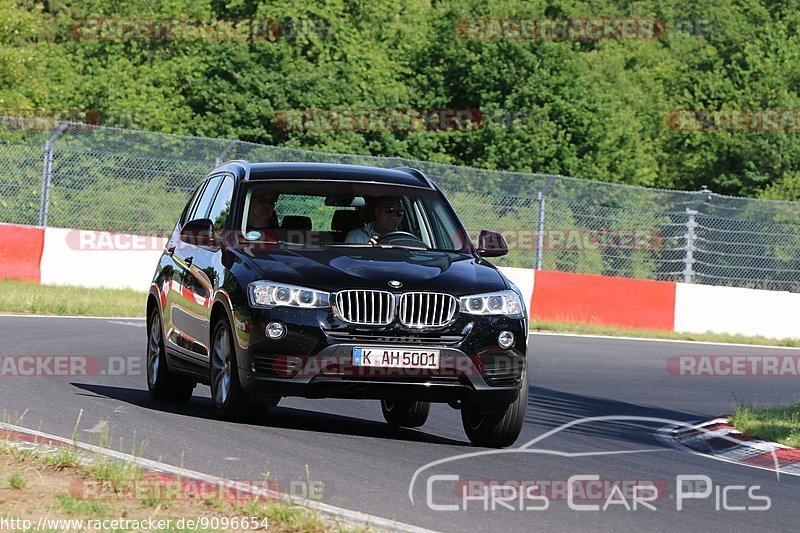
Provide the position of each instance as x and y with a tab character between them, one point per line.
346	514
128	323
540	333
642	339
12	315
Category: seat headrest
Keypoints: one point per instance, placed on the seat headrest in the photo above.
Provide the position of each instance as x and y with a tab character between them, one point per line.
296	222
345	220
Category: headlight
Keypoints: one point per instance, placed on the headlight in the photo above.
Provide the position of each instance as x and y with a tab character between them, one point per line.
493	303
271	294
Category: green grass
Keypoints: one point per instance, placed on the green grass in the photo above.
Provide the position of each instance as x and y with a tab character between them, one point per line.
81	507
63	457
774	424
290	517
31	298
17	481
118	474
19	455
283	516
612	331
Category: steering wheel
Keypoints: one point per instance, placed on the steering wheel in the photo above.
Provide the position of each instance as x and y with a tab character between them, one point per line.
401	238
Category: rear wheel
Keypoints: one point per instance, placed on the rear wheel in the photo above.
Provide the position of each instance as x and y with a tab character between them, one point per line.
162	384
230	401
496	430
405	413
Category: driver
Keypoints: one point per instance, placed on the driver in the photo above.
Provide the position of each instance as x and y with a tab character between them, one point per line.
388	215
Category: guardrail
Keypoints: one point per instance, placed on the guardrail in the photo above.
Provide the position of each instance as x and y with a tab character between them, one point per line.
74	175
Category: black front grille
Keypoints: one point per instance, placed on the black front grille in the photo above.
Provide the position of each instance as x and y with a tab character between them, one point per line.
427	309
367	338
365	307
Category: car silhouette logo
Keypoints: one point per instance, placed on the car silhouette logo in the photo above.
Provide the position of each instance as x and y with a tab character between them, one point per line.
395	284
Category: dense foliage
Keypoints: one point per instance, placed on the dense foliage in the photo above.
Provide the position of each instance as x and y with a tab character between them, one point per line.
597	109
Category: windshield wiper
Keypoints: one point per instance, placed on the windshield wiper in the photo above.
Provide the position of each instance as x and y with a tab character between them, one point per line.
347	244
367	245
255	244
398	247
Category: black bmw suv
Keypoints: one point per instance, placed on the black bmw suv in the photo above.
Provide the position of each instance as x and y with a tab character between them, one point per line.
337	281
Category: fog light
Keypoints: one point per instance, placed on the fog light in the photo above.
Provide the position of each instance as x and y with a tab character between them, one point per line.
275	330
505	339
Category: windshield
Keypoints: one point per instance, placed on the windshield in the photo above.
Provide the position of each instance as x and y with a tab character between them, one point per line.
320	213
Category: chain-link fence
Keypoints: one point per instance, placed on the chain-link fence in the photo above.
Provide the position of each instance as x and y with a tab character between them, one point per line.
90	177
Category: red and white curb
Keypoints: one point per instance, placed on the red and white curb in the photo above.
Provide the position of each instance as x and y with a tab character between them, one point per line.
28	439
718	439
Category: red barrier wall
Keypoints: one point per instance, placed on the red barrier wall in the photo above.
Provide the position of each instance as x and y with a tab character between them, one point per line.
602	300
20	252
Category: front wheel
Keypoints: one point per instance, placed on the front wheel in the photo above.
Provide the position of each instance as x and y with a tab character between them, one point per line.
230	401
497	430
405	414
161	383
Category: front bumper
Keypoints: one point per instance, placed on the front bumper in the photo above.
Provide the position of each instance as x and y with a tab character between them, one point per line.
314	359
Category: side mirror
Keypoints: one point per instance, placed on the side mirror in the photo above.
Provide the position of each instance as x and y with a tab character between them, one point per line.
199	232
491	244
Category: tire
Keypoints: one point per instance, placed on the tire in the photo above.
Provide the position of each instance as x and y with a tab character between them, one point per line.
496	430
230	401
161	383
404	413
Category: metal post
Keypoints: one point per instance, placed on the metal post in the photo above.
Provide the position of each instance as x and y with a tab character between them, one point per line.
47	173
221	158
688	263
539	230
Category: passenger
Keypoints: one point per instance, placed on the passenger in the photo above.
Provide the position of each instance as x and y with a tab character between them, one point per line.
261	214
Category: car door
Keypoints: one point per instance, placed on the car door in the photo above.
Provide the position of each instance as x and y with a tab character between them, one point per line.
202	275
187	309
173	275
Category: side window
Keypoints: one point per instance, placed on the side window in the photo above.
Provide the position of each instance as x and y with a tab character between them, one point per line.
222	204
424	223
191	203
201	209
446	231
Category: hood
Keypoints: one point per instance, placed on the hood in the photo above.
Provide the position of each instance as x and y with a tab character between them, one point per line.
335	268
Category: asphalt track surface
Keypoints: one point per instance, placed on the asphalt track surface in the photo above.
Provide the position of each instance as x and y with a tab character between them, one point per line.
367	466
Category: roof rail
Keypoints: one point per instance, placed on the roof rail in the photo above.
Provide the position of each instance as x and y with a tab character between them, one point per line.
417	174
240	162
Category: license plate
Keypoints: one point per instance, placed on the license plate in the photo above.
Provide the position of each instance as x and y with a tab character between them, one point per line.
396	357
